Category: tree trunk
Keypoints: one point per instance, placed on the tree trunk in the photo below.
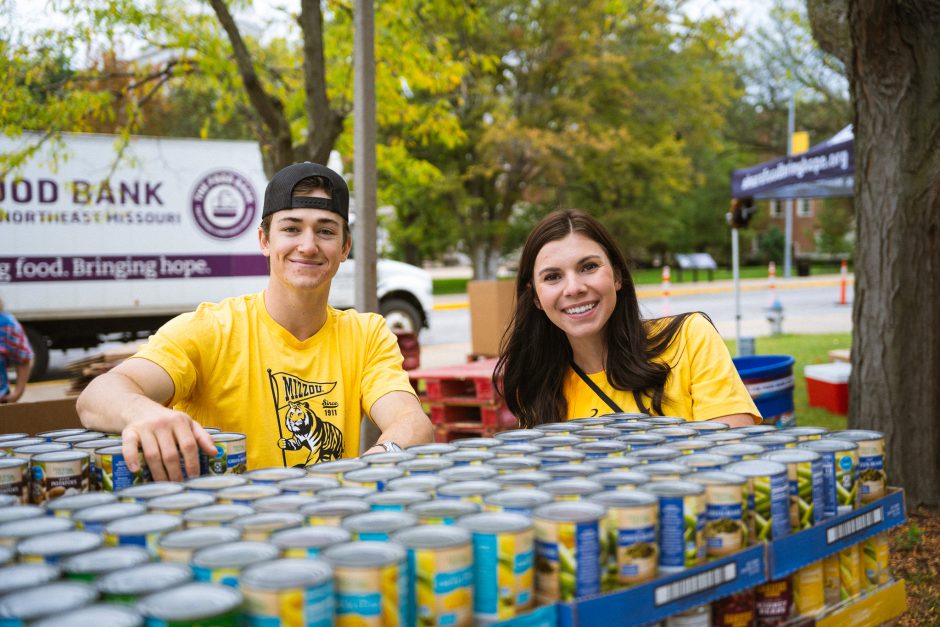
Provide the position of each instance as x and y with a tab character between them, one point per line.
895	384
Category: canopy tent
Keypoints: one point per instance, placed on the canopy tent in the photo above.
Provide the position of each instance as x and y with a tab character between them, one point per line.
825	170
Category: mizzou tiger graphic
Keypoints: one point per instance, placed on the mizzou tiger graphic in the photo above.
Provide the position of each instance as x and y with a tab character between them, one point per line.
323	439
299	426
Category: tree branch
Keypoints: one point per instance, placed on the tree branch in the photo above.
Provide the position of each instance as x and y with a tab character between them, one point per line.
323	124
829	20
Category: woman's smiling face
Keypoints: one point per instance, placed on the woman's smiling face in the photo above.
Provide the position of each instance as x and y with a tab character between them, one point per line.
576	286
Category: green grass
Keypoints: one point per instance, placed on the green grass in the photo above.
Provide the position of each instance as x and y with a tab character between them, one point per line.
806	349
443	287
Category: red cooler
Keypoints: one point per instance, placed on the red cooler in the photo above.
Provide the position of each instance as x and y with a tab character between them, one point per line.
827	386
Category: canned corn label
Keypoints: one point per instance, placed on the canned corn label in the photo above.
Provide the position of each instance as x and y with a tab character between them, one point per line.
871	470
725	530
145	540
832	580
222	575
850	572
567	560
443	586
303	607
371	597
628	546
875	556
809	593
806	491
503	576
681	532
231	458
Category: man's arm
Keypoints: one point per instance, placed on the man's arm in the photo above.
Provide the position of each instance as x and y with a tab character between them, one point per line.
129	399
402	421
22	378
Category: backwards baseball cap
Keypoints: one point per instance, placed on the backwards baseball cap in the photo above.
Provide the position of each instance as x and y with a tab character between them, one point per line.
279	194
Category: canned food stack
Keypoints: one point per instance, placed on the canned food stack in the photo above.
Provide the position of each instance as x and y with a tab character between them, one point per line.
475	531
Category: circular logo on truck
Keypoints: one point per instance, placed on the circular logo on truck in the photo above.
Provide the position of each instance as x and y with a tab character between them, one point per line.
224	204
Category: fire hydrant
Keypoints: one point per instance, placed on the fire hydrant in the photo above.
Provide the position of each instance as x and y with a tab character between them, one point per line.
775	317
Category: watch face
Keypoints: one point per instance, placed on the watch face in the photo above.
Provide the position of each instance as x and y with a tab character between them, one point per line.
391	447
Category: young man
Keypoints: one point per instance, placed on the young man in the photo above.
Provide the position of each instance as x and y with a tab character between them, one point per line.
14	349
292	373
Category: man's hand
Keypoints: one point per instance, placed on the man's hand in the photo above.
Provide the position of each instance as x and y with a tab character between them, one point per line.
163	435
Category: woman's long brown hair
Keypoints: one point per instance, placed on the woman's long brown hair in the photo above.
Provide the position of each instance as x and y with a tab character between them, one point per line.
535	354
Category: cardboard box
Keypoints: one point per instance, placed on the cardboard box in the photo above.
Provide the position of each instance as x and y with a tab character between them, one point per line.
827	386
491	309
39	416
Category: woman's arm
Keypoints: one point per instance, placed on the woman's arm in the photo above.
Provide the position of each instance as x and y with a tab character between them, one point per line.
736	420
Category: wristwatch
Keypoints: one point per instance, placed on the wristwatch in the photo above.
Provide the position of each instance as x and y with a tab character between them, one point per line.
390	447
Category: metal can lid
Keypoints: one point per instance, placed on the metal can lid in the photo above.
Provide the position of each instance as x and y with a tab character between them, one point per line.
23	576
95	616
20	512
642	439
470	456
373	473
856	435
116	448
722	436
106	559
364	554
217	513
65	455
143	579
274	474
495	522
755	429
143	524
55	433
27	527
198	537
621	416
620	478
192	601
624	498
443	508
556	441
569	426
756	468
579	487
802	432
335	467
559	456
828	445
74	502
286	574
602	446
615	463
432	537
707	426
468	473
718	477
213	483
268	521
597	421
425	464
15	443
38	449
147	491
674	488
109	512
518	449
338	507
791	456
674	432
227	436
699	460
397	497
51	598
77	438
249	491
308	484
379	521
771	438
181	501
665	421
6	555
6	437
345	493
13	462
739	449
570	511
527	498
61	543
523	462
656	453
530	477
632	426
468	488
310	537
94	445
387	457
519	435
421	483
689	444
481	443
284	503
234	554
435	450
564	471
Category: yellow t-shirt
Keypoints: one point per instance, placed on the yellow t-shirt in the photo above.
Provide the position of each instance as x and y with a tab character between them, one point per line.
298	402
702	383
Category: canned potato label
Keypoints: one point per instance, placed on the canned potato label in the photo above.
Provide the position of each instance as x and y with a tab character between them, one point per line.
503	582
13	481
373	597
628	547
443	586
871	470
567	560
309	607
52	479
681	532
725	529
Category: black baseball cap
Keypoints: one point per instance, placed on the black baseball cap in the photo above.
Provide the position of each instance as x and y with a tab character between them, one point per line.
279	194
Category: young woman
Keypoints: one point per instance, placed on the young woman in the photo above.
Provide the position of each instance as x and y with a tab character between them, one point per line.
577	346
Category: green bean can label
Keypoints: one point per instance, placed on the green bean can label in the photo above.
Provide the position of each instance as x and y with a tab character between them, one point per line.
567	562
503	574
630	542
113	473
443	585
681	532
725	528
806	493
846	470
768	505
872	477
371	597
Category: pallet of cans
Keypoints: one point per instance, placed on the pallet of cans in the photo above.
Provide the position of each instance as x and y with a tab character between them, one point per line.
626	517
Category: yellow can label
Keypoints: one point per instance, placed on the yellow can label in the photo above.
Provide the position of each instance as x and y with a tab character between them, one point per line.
850	572
371	597
832	580
809	589
503	578
303	607
629	553
443	585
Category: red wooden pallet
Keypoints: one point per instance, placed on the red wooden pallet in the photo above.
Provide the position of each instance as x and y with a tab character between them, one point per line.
454	383
496	416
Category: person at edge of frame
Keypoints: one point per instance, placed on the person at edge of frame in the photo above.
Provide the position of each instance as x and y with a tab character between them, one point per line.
577	346
14	349
281	366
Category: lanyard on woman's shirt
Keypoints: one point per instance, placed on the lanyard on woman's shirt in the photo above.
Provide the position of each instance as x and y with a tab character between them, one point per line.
610	402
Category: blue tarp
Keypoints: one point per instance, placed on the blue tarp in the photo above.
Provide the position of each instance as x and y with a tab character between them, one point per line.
825	170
